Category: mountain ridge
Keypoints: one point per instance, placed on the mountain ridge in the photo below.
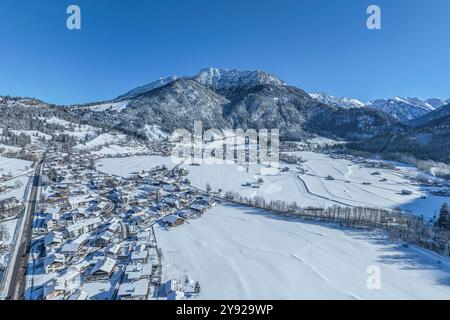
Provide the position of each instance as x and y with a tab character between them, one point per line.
404	109
231	99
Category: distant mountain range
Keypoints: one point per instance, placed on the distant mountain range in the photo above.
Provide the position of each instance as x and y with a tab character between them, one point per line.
257	99
402	108
232	99
427	138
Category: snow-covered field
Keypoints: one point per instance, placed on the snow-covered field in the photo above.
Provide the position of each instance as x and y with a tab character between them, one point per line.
114	150
101	140
14	166
75	130
154	132
112	144
21	171
10	226
349	186
243	253
353	184
124	167
7	148
115	106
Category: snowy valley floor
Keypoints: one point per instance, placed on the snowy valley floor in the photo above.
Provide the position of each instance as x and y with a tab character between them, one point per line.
237	252
311	189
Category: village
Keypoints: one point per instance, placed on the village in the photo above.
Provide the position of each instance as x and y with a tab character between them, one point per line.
93	235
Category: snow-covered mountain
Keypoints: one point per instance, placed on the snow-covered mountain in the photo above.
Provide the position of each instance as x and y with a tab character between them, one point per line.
231	99
148	87
21	102
228	83
403	109
426	138
224	80
406	108
435	118
225	99
437	103
215	79
346	103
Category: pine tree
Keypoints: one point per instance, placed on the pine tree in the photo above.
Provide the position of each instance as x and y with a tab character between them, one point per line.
197	287
444	221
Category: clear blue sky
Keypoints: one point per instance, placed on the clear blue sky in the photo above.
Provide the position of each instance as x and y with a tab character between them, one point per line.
317	45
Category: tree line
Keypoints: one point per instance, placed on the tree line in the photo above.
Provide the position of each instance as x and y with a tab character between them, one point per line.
399	225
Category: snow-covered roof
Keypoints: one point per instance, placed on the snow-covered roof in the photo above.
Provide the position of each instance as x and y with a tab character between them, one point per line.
107	265
170	219
176	295
80	224
137	255
70	248
134	289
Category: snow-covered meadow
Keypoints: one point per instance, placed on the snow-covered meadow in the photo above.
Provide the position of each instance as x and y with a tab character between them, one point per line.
111	144
352	185
10	226
20	170
125	166
237	252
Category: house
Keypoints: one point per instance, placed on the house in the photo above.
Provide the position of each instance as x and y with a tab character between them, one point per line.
170	286
141	202
154	191
146	270
199	208
53	222
207	201
113	251
78	295
83	226
103	239
160	208
115	226
58	198
81	239
53	240
144	236
103	269
70	249
137	290
176	295
185	214
132	272
139	256
124	252
81	267
172	201
80	201
135	272
54	262
54	290
170	188
172	220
